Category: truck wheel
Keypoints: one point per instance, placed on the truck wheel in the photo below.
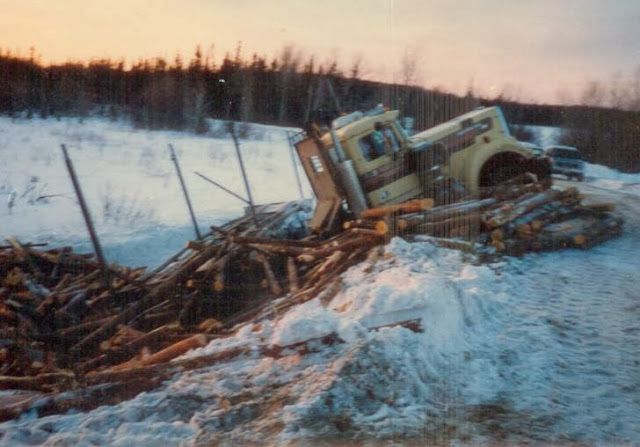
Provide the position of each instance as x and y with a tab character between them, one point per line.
504	173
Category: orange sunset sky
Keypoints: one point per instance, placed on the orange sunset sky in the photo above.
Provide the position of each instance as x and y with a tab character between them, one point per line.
543	50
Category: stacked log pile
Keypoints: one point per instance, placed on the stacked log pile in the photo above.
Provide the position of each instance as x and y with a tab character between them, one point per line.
518	219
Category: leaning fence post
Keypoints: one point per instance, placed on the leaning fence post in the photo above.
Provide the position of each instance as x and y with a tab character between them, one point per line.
232	129
97	248
293	162
184	190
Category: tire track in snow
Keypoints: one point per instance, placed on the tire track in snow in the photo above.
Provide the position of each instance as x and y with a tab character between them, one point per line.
579	319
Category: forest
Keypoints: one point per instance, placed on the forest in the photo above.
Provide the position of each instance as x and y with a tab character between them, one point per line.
287	90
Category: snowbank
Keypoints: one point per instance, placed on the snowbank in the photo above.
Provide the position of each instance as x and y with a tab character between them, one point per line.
530	349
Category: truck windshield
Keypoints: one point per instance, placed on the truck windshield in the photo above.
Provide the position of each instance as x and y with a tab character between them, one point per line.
379	143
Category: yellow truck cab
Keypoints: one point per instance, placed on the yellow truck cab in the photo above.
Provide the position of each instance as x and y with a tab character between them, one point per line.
479	151
384	170
368	160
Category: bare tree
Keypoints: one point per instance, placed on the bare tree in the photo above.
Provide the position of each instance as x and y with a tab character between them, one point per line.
410	63
289	62
594	94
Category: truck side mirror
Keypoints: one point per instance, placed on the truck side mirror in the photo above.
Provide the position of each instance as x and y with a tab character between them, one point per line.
407	125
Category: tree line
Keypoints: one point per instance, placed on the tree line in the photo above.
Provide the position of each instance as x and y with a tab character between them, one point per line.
286	90
182	94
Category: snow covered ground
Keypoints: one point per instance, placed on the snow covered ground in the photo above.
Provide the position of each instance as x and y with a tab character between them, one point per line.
607	178
130	183
541	349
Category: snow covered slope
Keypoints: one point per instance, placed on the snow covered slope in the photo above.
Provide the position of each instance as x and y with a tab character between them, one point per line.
130	183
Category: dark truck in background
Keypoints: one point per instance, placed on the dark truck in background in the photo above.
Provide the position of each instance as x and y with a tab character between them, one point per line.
566	160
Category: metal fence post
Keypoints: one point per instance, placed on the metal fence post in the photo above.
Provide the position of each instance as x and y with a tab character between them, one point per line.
184	190
87	216
232	129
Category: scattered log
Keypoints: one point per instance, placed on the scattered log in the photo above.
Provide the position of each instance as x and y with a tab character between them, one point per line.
292	274
268	272
412	206
121	353
175	350
41	382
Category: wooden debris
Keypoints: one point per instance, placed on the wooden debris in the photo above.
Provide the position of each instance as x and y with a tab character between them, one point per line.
63	329
292	274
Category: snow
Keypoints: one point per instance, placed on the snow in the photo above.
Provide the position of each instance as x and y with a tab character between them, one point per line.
539	349
597	175
545	136
130	182
607	178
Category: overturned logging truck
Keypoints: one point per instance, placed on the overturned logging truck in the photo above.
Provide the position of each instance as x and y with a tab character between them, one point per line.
367	160
68	339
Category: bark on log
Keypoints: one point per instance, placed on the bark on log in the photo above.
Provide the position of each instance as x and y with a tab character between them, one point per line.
158	294
121	353
274	286
412	206
176	349
292	274
451	211
45	381
519	208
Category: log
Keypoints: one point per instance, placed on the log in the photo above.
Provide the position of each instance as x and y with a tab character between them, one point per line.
25	244
312	255
123	335
244	240
515	188
158	294
469	224
274	248
64	282
45	381
321	269
176	350
543	214
412	206
121	353
374	234
379	226
24	254
452	211
274	286
511	211
579	232
599	207
163	369
373	255
292	274
82	328
214	265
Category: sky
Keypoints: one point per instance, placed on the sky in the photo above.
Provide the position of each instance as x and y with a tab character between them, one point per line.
542	51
